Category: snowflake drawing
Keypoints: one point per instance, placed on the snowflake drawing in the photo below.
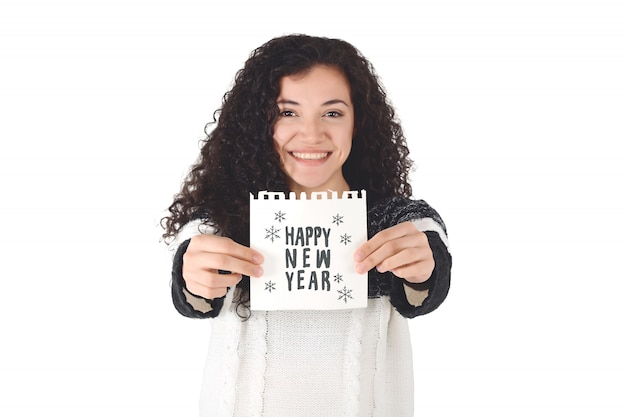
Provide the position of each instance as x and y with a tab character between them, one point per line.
338	278
345	239
337	219
344	294
270	286
272	233
280	216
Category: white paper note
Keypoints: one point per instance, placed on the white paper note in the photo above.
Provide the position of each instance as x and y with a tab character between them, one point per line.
308	246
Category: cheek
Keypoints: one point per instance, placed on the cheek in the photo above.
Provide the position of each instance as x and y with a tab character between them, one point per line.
347	142
279	143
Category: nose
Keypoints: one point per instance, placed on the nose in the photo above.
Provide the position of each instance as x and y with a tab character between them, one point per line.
312	131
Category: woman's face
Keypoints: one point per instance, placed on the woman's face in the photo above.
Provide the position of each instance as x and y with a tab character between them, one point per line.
313	133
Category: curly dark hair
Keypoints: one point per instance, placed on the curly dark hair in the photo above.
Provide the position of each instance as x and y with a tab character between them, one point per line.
238	156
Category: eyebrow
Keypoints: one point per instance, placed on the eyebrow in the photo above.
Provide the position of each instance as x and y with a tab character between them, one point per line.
326	103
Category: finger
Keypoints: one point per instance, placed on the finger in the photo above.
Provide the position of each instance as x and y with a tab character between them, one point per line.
208	293
382	237
417	272
403	258
210	279
234	265
226	246
210	284
388	250
412	264
209	261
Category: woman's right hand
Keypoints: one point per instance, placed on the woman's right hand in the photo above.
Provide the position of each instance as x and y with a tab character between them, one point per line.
207	254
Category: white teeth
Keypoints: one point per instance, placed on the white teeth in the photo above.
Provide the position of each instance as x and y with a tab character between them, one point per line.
320	155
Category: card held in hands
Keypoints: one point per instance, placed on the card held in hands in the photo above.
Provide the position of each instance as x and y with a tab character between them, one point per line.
308	245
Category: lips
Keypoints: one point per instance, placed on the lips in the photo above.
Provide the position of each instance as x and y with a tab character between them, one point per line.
310	156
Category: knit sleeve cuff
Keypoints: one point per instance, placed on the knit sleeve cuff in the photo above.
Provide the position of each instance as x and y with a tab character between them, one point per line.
415	299
186	303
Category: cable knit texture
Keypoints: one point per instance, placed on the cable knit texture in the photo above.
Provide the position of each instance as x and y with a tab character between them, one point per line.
322	363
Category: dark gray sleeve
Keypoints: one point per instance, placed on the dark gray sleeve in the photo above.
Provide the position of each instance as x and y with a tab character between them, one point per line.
188	304
416	299
411	299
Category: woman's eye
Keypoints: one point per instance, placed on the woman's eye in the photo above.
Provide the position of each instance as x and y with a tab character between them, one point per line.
333	113
287	113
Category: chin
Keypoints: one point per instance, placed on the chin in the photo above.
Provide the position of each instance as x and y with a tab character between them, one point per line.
310	186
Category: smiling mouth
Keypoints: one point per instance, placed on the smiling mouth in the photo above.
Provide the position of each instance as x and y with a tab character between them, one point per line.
310	156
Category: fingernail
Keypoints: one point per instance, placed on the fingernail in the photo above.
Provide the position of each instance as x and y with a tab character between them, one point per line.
360	269
257	272
257	259
358	256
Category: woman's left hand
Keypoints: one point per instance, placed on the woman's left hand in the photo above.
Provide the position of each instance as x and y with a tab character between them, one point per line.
401	249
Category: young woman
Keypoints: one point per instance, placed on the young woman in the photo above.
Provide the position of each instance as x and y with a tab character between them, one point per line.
305	114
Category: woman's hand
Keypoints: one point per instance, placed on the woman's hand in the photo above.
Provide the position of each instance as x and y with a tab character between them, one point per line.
401	249
207	255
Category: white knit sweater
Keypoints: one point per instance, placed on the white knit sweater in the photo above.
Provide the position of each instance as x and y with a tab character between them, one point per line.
311	363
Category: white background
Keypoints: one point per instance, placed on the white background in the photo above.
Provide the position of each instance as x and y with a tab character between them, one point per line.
515	113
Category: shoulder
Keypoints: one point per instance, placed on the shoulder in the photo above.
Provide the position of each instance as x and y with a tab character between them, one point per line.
394	210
